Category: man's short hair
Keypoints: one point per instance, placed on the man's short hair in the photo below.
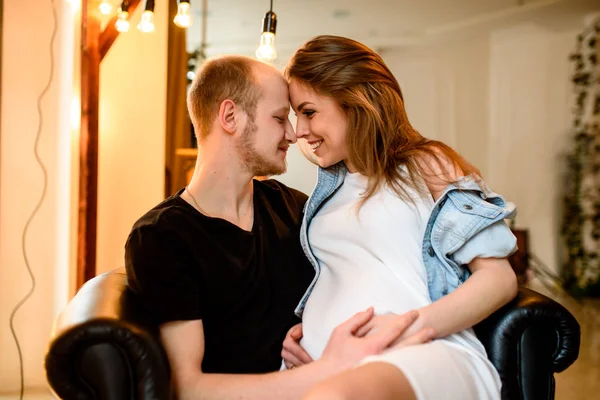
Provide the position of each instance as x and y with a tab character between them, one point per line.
219	79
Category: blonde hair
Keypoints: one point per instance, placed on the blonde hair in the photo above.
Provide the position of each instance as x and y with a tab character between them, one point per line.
219	79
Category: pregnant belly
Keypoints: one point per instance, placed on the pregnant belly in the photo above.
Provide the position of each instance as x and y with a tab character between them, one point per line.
337	298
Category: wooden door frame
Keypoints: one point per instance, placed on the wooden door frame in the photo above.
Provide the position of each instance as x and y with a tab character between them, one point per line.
95	44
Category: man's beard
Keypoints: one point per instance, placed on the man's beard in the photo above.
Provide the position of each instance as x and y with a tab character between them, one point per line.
251	160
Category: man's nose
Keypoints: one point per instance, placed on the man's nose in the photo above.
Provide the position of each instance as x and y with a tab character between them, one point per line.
290	135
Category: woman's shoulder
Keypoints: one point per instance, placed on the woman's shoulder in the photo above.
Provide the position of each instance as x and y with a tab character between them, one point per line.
438	168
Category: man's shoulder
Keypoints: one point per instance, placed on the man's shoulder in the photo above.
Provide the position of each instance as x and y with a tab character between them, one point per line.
165	216
159	236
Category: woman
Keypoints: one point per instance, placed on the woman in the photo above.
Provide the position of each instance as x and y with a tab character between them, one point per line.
398	222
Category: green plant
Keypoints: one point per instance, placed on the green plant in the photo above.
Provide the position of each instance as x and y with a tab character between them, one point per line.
581	218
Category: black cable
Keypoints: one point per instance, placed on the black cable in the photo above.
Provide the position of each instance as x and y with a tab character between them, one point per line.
271	6
39	203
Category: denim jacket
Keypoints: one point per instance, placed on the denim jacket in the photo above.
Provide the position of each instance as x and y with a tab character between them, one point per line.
467	221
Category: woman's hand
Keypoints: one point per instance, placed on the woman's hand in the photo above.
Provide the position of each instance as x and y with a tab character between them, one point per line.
345	347
384	321
292	353
492	284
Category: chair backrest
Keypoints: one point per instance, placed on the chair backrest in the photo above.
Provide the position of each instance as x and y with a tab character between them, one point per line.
106	296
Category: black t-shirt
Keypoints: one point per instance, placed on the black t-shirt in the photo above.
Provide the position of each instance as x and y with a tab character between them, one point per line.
243	285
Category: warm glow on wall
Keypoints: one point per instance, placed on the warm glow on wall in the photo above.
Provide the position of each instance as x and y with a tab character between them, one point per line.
75	116
74	4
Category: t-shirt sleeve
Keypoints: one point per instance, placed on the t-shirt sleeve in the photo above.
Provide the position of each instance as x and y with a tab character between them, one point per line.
160	274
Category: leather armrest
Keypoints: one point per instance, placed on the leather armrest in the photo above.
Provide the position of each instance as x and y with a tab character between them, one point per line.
529	340
104	346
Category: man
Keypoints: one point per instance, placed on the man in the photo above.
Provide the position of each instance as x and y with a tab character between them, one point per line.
220	263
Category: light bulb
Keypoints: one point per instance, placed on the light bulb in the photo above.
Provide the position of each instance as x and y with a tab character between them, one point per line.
147	22
105	7
183	17
266	50
122	23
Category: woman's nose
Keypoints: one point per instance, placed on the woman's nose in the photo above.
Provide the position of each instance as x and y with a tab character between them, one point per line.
301	130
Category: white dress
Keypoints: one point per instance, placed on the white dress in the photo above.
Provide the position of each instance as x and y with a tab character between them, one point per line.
373	258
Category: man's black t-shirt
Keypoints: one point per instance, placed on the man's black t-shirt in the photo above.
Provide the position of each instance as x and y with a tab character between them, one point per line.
243	285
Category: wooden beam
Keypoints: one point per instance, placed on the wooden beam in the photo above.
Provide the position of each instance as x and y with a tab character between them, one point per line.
110	32
95	45
88	145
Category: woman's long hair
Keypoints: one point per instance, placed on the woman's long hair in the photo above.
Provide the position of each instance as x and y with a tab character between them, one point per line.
380	137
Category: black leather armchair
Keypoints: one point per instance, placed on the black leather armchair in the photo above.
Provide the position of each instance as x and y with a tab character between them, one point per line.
105	346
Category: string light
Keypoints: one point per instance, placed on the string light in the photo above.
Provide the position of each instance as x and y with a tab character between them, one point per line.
122	23
105	7
183	17
147	22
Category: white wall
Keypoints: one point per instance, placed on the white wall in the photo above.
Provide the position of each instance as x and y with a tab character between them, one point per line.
530	103
133	87
25	70
503	101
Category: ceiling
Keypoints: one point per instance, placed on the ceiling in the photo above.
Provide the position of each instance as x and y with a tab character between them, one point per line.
234	26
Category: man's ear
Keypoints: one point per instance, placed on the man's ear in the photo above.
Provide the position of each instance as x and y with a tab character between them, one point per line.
227	116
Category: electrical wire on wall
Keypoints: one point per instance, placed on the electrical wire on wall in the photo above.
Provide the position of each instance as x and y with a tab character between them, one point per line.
39	203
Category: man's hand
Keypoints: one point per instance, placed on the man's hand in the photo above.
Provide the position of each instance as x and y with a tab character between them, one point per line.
345	347
292	353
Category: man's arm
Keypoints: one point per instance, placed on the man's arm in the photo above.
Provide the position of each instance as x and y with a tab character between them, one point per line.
184	344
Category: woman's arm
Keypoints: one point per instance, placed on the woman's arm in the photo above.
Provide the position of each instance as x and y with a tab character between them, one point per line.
493	284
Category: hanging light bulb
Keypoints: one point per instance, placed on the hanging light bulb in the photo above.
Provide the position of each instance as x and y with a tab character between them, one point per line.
105	7
147	22
122	23
266	49
183	17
